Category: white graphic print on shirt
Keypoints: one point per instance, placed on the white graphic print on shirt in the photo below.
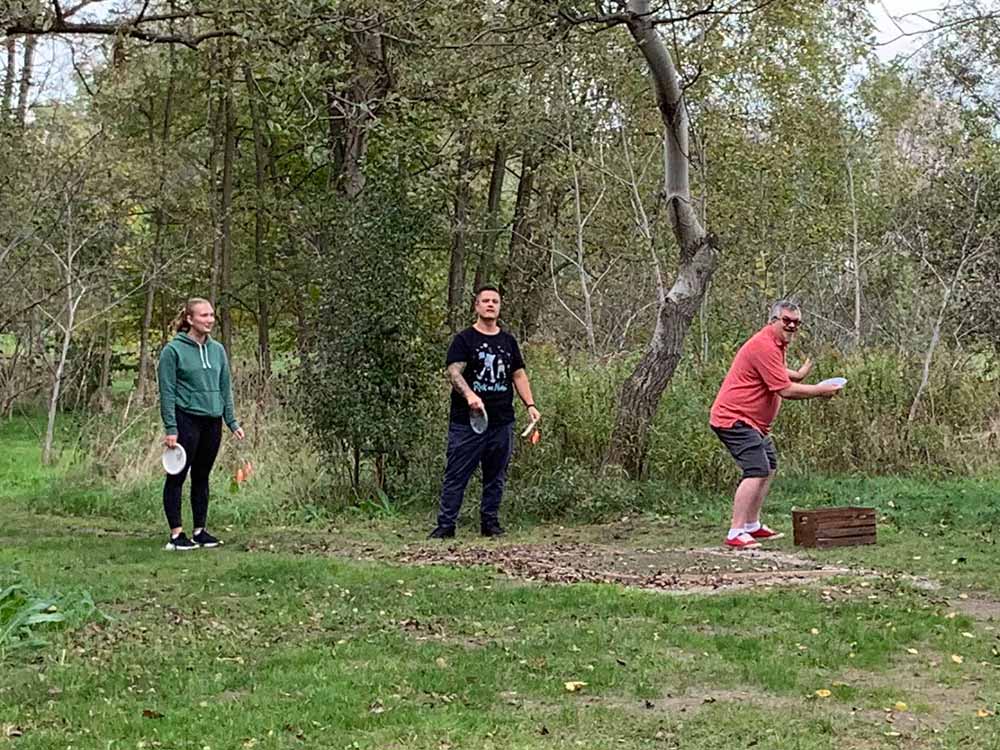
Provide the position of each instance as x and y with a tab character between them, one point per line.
491	372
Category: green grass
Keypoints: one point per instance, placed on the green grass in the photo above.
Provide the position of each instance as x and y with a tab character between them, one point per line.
249	646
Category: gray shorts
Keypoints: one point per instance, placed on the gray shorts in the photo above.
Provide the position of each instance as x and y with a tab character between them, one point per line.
754	453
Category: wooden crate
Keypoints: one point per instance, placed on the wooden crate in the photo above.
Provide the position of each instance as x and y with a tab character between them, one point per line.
834	527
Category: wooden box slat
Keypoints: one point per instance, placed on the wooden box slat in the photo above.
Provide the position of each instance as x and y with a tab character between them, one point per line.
845	541
834	527
858	529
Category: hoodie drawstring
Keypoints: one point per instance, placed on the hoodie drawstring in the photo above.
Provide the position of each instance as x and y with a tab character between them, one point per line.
203	352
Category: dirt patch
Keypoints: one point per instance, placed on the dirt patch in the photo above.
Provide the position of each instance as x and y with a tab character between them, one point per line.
423	631
672	570
938	703
983	610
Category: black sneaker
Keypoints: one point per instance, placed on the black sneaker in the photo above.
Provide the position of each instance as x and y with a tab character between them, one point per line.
180	543
204	539
442	532
491	528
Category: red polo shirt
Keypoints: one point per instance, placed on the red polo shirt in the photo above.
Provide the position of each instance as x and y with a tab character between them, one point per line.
749	392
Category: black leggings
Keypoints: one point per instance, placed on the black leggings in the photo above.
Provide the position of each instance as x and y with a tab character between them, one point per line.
201	437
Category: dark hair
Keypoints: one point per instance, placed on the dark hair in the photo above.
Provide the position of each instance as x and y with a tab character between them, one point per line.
181	324
488	288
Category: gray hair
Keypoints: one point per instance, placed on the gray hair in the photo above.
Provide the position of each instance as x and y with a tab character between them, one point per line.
782	304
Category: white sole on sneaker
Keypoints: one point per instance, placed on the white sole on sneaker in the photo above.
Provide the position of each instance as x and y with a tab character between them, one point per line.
779	535
211	545
171	547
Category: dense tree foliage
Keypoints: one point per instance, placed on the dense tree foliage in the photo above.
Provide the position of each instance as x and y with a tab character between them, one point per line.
338	176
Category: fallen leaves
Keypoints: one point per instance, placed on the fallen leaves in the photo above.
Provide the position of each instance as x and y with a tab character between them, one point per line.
823	693
149	713
957	659
574	686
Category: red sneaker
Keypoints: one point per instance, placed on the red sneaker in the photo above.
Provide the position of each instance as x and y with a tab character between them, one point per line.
764	534
743	541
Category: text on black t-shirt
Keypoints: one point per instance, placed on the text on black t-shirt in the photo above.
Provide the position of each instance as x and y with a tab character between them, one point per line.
490	362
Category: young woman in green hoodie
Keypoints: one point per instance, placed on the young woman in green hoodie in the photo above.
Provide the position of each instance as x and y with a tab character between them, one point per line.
196	397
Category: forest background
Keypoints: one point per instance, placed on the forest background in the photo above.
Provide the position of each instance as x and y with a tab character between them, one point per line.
641	179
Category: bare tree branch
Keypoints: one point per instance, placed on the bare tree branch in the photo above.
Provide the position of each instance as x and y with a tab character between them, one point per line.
134	28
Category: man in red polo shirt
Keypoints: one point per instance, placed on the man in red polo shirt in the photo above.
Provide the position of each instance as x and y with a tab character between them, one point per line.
744	411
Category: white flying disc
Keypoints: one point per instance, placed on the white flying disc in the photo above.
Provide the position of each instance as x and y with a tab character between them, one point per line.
841	382
478	421
529	428
174	459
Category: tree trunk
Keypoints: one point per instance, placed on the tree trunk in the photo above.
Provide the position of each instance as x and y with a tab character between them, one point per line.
641	392
457	305
214	123
159	218
516	276
27	66
487	263
261	258
588	307
147	319
56	388
225	238
74	294
925	370
538	262
352	108
8	81
104	381
855	255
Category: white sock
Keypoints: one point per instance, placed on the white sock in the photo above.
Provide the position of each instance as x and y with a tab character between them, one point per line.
751	527
733	533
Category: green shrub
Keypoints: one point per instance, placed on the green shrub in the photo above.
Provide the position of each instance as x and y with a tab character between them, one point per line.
27	614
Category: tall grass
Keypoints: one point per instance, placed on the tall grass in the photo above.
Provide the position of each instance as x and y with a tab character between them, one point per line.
863	432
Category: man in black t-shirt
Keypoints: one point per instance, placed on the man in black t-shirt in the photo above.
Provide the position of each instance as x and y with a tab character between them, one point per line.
485	367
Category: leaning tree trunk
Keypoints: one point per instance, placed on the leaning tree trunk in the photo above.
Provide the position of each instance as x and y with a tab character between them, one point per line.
641	392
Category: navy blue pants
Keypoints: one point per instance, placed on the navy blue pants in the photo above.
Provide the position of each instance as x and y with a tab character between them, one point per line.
466	451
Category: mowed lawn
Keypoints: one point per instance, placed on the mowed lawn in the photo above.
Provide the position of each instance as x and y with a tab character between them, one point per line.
258	645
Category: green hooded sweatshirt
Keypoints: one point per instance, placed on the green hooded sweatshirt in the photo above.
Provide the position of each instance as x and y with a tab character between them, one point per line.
195	377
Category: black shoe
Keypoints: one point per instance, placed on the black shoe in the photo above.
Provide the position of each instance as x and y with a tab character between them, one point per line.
491	528
204	539
180	543
442	532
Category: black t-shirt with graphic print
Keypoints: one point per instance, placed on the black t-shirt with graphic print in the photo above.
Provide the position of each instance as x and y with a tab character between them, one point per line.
490	361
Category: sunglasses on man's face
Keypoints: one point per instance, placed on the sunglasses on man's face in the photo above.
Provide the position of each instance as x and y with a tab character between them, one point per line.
791	322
